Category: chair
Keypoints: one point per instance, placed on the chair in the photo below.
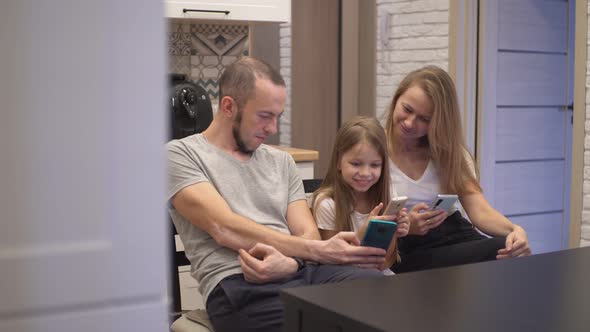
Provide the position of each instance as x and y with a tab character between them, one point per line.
183	321
311	185
197	320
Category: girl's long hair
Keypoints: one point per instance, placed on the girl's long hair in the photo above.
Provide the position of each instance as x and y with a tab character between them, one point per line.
445	139
357	130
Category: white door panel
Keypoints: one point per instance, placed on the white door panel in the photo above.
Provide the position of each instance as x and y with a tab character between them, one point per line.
533	25
531	79
130	317
82	203
544	231
529	133
529	187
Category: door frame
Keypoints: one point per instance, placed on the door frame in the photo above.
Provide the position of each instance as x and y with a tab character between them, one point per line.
463	67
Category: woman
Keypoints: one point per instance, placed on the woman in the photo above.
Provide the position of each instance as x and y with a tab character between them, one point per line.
429	157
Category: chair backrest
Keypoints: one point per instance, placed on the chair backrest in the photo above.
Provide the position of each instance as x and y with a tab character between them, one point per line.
177	259
311	185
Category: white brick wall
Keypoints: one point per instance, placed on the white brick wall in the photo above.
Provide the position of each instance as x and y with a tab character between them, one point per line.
417	35
585	232
285	122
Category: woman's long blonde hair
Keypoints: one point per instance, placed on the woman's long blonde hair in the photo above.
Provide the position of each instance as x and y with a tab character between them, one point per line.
357	130
445	135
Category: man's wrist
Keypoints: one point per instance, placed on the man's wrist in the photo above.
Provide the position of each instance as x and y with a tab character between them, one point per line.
300	263
311	249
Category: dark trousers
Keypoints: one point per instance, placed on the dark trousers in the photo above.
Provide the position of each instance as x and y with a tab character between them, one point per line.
237	305
454	242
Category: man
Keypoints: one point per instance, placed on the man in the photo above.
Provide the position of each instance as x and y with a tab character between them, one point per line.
240	210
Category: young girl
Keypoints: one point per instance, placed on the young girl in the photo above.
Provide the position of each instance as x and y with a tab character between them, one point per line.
357	184
428	157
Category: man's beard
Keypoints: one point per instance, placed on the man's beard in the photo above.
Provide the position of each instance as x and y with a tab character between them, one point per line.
236	133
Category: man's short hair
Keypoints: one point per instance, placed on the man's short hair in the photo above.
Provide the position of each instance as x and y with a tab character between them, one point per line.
239	79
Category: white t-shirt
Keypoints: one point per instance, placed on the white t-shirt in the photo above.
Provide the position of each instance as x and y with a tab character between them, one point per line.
326	215
425	188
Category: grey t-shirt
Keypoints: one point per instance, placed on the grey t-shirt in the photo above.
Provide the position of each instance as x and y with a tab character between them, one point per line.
260	189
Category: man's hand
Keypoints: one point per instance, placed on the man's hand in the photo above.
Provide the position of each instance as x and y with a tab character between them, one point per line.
264	263
344	248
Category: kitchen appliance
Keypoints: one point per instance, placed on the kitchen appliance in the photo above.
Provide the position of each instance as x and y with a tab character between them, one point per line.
191	110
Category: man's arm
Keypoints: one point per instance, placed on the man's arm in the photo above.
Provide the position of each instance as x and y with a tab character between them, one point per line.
202	205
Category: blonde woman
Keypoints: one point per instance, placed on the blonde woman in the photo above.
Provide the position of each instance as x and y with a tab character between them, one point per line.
429	157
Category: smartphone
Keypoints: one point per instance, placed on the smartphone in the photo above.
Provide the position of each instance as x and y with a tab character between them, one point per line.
379	233
443	202
395	205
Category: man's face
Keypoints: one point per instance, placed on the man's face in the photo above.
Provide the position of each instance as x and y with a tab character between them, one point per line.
259	117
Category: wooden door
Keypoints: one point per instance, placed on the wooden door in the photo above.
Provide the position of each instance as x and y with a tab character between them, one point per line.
315	77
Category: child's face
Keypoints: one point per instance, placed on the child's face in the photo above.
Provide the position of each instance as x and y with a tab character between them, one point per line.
361	166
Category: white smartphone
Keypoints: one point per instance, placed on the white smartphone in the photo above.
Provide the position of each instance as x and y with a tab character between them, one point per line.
443	202
395	205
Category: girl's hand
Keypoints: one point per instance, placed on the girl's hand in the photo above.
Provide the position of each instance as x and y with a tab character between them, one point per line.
421	221
403	223
374	214
517	244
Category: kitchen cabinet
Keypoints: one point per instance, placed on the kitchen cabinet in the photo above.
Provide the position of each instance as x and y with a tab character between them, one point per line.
233	10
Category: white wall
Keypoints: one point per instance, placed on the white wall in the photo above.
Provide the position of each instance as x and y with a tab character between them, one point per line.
285	53
417	35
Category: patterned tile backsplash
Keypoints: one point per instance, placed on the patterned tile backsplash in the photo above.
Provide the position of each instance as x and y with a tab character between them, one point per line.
202	51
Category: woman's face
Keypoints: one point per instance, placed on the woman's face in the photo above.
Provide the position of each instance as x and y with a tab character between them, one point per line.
412	114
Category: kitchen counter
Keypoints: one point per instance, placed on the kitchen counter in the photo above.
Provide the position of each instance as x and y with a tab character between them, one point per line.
299	155
303	159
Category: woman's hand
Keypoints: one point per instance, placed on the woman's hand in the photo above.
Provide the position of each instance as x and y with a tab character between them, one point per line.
421	221
517	244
